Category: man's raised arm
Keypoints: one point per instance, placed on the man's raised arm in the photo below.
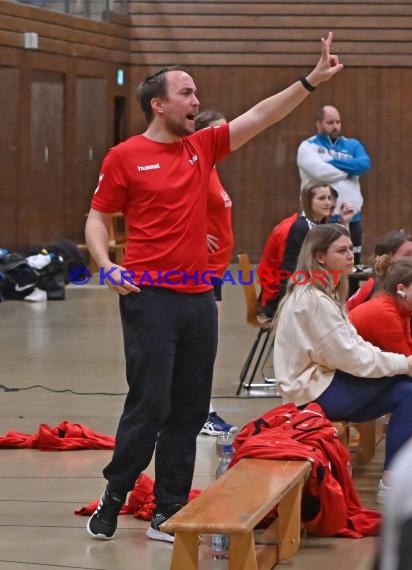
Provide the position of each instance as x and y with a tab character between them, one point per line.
275	108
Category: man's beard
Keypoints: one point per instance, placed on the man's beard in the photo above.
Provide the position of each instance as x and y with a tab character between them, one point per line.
178	129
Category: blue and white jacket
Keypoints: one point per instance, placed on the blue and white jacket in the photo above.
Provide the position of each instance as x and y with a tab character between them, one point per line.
338	164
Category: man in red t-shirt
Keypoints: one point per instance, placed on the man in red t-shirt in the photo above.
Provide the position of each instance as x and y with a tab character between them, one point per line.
159	180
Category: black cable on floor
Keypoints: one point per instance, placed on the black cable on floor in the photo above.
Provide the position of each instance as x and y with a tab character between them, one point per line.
14	389
65	390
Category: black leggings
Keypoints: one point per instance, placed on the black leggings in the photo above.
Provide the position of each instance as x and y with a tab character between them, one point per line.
363	399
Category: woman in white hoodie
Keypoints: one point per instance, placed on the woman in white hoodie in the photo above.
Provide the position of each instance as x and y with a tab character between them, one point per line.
318	355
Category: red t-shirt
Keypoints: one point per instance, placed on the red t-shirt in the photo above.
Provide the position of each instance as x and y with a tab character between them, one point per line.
161	188
361	295
219	224
385	323
272	259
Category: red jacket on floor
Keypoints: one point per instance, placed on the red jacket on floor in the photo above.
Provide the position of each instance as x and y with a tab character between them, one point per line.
66	436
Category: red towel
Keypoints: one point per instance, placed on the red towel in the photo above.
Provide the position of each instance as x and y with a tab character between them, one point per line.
66	436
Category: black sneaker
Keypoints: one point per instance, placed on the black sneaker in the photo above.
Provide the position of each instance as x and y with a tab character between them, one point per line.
103	522
154	531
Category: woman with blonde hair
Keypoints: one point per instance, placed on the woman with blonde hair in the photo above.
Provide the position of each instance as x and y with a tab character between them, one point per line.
319	357
385	320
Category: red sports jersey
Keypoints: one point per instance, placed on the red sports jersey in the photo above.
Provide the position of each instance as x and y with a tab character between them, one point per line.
384	322
272	259
361	295
161	188
219	224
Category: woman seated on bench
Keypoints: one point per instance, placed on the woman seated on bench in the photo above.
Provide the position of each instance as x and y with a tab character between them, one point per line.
385	320
318	202
319	357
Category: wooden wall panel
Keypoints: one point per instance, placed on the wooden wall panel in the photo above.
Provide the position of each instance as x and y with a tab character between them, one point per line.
91	145
269	33
41	205
9	110
285	9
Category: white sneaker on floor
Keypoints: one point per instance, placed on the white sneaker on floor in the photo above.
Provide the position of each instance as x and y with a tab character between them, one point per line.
36	296
382	493
159	535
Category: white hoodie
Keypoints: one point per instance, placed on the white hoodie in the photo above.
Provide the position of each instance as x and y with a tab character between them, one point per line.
314	338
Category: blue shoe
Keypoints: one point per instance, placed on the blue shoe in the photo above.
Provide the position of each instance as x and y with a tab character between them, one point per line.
215	425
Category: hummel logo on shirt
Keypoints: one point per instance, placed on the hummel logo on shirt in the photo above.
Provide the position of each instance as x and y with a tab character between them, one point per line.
148	167
193	160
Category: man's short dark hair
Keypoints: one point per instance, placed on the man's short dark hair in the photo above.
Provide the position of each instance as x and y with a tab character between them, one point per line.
154	85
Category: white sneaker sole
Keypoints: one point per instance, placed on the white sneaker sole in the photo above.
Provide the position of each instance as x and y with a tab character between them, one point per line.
157	535
209	432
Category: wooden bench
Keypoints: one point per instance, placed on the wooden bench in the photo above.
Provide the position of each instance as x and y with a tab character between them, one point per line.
361	446
369	435
361	441
234	504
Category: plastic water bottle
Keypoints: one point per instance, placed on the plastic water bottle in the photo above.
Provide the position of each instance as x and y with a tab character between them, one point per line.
224	438
227	455
220	546
220	542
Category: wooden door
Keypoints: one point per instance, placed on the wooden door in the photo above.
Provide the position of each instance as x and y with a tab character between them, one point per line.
90	145
9	109
41	205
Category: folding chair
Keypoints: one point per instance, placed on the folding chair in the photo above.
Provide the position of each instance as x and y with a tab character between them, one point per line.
261	343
